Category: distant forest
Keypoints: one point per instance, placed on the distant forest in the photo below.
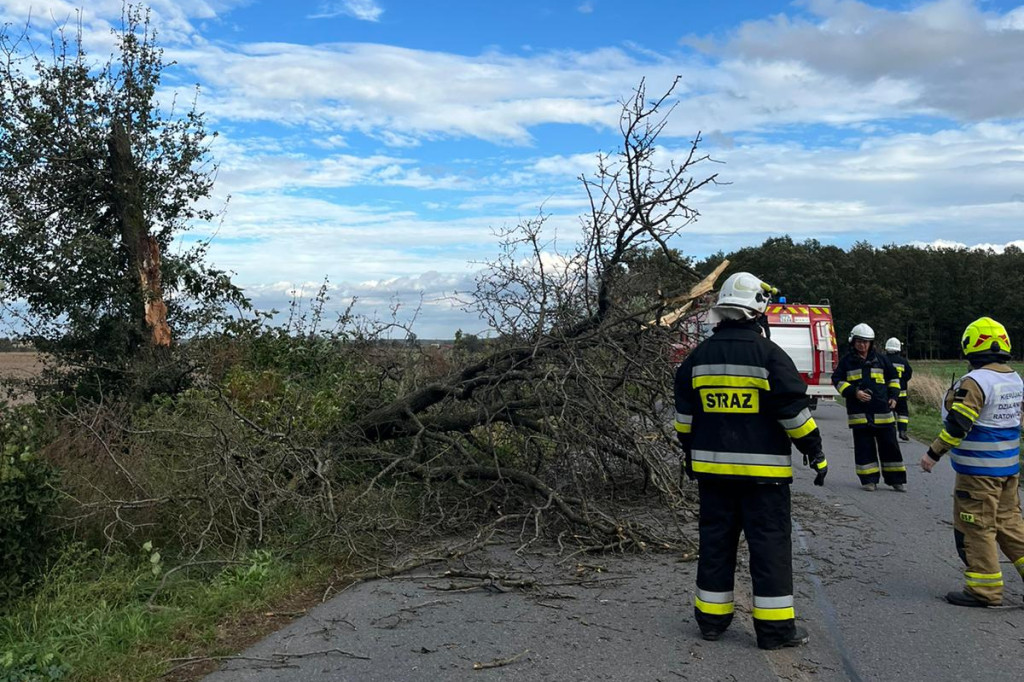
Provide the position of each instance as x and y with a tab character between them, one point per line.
923	296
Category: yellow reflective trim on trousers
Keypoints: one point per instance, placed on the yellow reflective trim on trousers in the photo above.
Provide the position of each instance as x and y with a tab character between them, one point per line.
983	579
774	614
758	470
965	411
713	609
801	431
946	438
683	428
894	467
868	469
730	381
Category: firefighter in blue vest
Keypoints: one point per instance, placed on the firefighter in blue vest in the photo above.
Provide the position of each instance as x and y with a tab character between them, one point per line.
893	351
981	418
740	402
870	386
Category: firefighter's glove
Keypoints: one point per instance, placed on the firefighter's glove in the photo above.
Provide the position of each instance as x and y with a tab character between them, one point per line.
820	466
684	441
688	465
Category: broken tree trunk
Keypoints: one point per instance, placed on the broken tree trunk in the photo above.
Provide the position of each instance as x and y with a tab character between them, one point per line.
143	249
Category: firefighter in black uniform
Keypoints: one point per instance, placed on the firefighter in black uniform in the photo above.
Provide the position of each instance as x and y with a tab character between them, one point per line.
739	403
893	351
870	386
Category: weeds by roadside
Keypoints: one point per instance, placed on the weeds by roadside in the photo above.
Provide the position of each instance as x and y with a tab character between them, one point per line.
91	618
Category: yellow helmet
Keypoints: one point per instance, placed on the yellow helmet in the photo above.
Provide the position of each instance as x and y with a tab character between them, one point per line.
985	335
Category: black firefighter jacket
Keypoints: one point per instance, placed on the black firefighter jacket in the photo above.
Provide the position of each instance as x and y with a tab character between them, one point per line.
739	402
874	374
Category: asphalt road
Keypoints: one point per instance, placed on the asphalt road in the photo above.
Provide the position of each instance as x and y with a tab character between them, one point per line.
870	571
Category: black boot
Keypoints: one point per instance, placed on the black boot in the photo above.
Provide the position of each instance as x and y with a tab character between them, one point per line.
964	598
798	638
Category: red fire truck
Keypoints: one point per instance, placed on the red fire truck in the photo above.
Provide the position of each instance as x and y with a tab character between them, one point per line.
805	332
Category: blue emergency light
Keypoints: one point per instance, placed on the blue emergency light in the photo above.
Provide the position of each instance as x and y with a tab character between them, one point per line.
782	299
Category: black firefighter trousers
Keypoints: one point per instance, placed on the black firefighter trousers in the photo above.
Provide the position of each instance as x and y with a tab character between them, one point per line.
876	448
762	512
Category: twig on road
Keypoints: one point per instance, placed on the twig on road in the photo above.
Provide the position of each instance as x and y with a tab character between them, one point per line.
499	662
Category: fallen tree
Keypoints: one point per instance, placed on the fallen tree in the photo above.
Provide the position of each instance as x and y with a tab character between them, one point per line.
571	402
559	425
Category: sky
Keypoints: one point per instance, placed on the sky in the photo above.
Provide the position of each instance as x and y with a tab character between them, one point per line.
381	143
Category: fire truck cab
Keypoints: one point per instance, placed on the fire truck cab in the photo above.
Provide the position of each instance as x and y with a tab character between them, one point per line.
806	333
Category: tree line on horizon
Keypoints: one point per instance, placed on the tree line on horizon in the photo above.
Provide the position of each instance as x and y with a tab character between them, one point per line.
925	297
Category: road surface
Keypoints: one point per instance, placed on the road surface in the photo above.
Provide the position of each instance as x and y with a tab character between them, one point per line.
870	570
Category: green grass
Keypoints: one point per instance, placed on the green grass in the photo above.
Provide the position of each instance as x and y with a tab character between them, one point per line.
925	415
91	620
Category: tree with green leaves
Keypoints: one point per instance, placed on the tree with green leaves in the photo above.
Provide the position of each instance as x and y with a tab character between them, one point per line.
97	178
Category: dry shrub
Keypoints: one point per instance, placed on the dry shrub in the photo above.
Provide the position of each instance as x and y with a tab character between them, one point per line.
927	390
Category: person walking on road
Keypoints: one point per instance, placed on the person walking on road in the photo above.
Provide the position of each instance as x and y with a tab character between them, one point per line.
740	402
893	351
870	386
981	419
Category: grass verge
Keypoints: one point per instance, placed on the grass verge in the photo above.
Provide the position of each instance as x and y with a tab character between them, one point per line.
92	619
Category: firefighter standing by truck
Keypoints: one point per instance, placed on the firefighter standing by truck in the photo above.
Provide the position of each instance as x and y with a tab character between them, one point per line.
870	386
739	403
981	419
893	351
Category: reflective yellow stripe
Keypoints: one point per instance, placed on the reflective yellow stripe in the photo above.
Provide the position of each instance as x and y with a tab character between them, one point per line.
885	420
1019	565
742	469
965	411
713	609
802	431
895	383
684	428
774	614
983	579
857	420
867	469
726	380
894	467
946	438
842	386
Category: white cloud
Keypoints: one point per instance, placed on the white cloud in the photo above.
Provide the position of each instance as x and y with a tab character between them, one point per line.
951	55
950	244
364	10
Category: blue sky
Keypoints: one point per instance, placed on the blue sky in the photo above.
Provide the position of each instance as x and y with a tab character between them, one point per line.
380	142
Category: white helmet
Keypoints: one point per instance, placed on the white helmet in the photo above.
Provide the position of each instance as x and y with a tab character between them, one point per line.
742	296
893	345
862	331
